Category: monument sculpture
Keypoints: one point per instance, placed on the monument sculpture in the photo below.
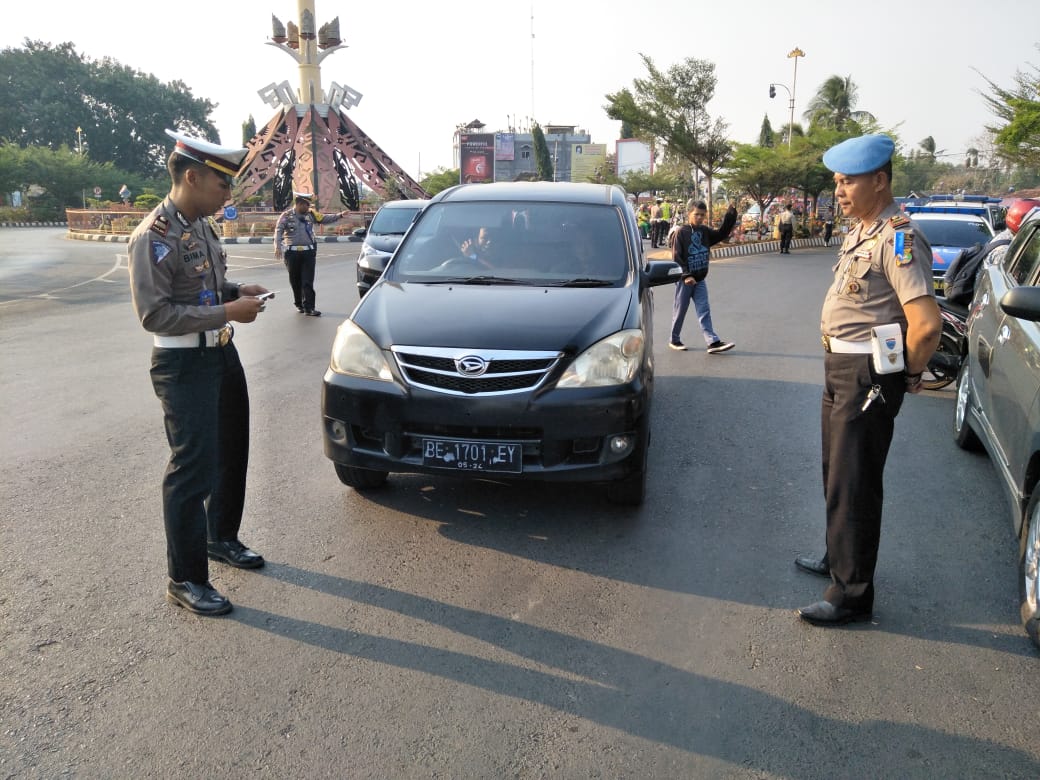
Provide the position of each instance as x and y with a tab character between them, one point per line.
310	144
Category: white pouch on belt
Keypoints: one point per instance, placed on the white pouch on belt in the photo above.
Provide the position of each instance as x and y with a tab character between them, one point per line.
886	342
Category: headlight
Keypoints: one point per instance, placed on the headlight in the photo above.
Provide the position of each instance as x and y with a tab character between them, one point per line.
353	352
612	361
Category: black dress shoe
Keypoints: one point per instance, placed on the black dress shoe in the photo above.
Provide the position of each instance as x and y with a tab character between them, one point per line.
234	553
200	599
813	565
823	613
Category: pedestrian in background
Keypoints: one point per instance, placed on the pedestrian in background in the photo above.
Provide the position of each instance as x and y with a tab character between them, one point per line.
883	278
691	249
655	224
828	226
180	293
786	224
296	246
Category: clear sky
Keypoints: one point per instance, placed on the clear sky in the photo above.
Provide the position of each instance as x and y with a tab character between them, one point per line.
425	66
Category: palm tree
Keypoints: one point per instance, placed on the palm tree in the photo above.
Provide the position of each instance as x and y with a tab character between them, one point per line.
834	105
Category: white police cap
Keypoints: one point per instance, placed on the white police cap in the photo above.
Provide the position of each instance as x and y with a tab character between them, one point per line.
307	196
223	159
864	154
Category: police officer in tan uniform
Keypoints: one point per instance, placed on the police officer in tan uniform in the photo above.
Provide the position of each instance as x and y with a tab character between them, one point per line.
295	244
181	295
883	276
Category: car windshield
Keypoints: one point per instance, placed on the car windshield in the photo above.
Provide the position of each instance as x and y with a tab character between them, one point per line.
557	244
392	221
952	232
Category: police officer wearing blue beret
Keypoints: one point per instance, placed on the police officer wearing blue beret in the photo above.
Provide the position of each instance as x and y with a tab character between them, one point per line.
883	277
180	293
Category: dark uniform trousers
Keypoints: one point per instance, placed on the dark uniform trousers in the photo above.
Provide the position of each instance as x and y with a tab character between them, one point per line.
786	234
855	447
206	413
301	276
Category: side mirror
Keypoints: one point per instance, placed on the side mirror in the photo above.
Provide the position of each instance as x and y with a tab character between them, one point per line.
658	272
359	232
1023	303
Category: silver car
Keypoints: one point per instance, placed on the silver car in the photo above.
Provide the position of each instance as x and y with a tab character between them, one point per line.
998	394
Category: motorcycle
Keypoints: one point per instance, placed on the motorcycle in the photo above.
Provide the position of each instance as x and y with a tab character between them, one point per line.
945	364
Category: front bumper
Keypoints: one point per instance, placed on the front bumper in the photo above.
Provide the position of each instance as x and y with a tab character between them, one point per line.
565	435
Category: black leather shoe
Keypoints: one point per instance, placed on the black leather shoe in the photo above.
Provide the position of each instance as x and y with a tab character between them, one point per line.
200	599
823	613
813	565
234	553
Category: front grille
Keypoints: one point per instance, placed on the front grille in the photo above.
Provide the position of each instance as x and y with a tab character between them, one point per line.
505	371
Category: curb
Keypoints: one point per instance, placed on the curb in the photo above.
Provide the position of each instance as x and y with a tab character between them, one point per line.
32	224
122	239
720	251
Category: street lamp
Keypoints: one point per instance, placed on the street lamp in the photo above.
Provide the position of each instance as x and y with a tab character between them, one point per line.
79	140
794	53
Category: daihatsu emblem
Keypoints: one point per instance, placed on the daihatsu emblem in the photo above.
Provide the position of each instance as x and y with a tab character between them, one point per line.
471	365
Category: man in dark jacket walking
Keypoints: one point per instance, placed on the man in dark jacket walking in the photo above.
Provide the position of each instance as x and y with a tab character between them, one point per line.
691	251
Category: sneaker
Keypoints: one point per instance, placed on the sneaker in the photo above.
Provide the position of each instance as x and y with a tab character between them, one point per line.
720	346
678	346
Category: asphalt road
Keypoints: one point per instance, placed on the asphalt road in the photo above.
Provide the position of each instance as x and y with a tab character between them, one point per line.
444	628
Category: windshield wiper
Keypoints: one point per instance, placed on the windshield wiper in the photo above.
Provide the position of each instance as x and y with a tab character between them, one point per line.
473	280
582	282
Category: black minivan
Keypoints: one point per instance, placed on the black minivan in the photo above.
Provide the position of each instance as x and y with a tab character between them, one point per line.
510	336
381	238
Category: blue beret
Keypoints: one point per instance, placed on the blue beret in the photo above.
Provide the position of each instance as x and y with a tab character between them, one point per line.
865	154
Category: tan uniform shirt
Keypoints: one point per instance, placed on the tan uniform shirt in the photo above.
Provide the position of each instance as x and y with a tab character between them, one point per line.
871	283
177	270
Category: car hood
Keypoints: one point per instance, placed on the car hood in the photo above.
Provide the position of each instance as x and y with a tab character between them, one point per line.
494	317
385	242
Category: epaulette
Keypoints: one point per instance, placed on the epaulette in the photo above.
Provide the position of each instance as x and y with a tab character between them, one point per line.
899	220
213	227
160	225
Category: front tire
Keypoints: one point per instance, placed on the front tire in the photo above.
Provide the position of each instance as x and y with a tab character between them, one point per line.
937	377
1029	568
965	437
360	479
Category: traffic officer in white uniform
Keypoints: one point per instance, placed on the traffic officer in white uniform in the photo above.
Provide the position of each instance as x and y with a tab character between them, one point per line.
181	295
296	246
883	277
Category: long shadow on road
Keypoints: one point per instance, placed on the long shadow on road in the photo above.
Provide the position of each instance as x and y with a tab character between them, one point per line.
640	696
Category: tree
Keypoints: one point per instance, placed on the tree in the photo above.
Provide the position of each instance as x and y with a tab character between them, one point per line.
248	130
766	136
672	107
760	173
52	90
440	179
1017	134
542	159
834	105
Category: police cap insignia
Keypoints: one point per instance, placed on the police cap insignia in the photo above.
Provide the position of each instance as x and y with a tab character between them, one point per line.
160	225
863	154
159	251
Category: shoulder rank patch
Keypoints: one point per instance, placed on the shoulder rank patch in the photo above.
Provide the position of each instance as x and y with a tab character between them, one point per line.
903	247
160	225
159	251
899	220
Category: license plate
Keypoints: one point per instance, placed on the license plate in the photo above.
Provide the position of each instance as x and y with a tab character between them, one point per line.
460	455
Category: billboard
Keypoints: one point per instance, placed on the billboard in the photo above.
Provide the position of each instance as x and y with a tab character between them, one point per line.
586	159
476	157
504	143
634	155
